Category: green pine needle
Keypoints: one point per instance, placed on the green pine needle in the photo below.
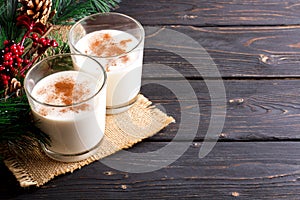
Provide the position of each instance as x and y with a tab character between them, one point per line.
17	128
70	11
63	46
8	15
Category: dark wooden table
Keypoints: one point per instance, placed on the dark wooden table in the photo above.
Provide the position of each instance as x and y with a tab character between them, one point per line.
256	48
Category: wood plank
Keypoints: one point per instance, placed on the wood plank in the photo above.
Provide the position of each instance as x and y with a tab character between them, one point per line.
258	170
236	51
256	109
213	12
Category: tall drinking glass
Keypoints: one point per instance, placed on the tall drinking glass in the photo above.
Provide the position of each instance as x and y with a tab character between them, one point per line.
117	42
67	96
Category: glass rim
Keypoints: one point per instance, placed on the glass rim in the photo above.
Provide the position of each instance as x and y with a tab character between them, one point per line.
142	31
72	104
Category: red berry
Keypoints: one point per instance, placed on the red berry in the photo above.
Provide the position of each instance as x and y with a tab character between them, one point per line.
19	60
34	44
34	37
20	52
26	61
6	63
53	43
5	79
7	57
6	42
42	40
13	47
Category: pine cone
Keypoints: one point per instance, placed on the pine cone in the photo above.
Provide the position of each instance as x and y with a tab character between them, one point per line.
38	10
14	88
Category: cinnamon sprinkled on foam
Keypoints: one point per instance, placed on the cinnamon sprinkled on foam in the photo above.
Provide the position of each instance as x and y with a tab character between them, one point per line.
112	47
124	42
105	46
64	91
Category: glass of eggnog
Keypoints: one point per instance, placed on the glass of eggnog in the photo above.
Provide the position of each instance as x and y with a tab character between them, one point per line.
117	42
67	96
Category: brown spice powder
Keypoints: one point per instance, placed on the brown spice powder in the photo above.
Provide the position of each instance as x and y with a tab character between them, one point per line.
124	59
124	42
114	50
65	89
106	36
67	92
107	47
43	112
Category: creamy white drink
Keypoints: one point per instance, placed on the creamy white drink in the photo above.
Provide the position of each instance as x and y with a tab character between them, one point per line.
73	111
116	51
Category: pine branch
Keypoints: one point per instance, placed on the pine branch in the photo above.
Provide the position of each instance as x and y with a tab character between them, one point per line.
70	11
61	49
104	6
17	129
8	15
2	29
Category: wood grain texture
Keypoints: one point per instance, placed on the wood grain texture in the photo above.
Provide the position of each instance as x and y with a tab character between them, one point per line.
213	12
236	51
255	45
255	170
256	109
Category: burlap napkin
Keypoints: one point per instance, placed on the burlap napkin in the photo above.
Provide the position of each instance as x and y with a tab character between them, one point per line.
123	130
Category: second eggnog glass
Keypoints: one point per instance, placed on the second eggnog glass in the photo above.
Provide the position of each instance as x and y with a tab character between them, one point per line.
67	96
117	42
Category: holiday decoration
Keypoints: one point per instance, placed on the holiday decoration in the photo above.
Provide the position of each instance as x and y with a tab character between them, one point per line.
14	61
38	11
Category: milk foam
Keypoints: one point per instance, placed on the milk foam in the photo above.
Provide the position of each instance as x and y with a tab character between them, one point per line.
47	91
108	45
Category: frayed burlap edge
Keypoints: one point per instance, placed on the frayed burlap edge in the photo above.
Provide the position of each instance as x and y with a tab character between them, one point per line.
122	131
